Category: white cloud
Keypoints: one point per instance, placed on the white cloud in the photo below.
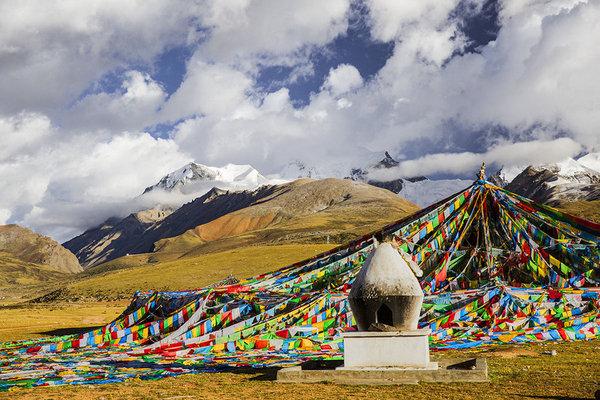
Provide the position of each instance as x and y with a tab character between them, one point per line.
244	32
22	133
421	28
343	79
73	154
64	187
51	51
541	69
4	215
208	89
392	18
507	154
133	107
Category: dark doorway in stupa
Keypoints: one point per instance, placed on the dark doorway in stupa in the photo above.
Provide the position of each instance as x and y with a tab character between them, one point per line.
384	315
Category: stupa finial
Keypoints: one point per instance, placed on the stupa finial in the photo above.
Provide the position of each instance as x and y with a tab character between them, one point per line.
481	175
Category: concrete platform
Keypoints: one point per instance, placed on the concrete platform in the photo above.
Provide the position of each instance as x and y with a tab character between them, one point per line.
396	349
448	370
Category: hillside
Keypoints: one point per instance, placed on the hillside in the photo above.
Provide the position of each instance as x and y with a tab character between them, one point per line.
14	271
121	278
304	211
134	234
589	210
24	246
285	224
299	212
550	185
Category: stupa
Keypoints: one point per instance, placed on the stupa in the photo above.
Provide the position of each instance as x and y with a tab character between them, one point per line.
388	348
386	301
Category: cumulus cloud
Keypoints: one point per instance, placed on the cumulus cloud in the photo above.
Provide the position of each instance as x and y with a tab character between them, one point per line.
134	106
510	154
208	89
74	152
541	69
22	133
50	52
422	28
270	31
343	79
64	187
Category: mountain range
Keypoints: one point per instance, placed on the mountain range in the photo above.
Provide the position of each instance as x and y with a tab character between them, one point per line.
418	189
236	199
554	184
309	209
200	209
194	177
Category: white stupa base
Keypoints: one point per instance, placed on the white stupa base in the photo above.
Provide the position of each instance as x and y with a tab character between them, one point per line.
387	350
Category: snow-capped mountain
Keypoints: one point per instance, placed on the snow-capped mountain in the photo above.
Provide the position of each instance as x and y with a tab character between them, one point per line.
298	169
505	175
420	190
591	161
187	178
572	170
194	180
567	180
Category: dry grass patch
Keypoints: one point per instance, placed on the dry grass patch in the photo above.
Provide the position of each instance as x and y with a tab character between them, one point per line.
571	374
192	272
34	321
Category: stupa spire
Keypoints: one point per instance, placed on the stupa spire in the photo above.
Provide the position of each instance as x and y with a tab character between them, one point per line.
481	174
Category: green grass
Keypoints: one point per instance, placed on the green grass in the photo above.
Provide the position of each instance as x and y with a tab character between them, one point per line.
189	272
40	320
589	210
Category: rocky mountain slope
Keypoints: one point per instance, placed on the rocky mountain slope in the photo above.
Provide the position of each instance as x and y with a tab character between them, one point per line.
137	232
303	210
565	181
27	257
306	210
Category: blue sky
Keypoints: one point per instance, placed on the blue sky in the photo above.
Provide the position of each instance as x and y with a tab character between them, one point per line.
355	46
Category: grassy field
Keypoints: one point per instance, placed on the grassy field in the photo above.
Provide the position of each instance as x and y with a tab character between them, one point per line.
584	209
41	320
18	272
516	372
189	272
121	278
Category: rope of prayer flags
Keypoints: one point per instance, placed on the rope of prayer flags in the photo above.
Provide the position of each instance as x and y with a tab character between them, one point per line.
498	269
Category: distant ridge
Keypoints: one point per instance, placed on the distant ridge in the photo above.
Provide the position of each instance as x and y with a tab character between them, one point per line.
303	210
27	257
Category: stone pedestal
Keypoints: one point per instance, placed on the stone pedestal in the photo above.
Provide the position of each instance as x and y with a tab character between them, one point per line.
375	350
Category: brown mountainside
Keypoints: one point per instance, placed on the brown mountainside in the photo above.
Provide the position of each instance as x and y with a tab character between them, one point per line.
137	233
302	211
22	244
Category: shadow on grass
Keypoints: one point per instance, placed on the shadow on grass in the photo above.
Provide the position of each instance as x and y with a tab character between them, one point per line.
69	331
262	374
556	397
